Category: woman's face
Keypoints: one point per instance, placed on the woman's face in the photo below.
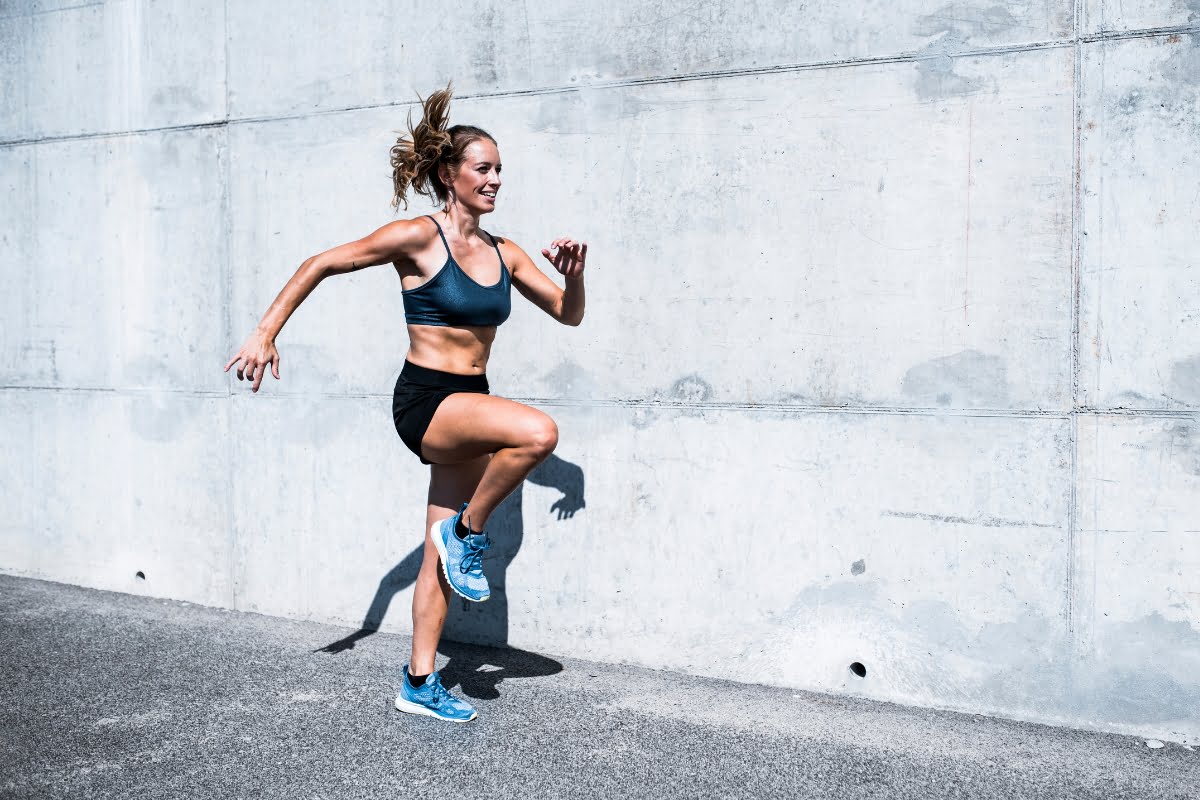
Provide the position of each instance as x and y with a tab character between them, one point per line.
478	179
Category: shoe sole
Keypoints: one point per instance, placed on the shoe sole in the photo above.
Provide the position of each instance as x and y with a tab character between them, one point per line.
436	535
414	708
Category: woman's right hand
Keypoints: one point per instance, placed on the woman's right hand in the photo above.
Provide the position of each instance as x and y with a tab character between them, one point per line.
255	355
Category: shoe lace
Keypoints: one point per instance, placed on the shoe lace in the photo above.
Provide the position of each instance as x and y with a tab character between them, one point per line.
473	558
440	693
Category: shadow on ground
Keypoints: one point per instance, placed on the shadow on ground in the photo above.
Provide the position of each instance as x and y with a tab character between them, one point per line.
476	634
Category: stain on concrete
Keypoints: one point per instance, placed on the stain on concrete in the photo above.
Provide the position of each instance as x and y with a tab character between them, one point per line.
858	567
175	97
643	418
569	379
1185	381
956	28
1182	68
1130	399
1183	444
483	57
1141	672
1129	103
937	80
690	389
966	23
987	522
968	379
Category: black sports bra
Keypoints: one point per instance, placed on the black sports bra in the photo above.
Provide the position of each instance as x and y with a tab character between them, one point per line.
452	298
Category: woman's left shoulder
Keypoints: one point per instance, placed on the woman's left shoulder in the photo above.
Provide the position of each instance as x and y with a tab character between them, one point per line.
511	251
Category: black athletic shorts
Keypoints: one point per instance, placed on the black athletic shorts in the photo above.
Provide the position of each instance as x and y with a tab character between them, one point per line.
419	391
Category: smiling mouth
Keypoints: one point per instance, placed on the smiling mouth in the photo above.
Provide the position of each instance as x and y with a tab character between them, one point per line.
489	194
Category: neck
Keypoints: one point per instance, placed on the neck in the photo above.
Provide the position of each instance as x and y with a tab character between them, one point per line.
464	222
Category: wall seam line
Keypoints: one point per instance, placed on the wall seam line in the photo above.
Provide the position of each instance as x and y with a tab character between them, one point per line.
227	321
649	404
898	58
1076	249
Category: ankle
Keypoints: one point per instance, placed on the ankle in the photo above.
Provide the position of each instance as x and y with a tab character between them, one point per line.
463	526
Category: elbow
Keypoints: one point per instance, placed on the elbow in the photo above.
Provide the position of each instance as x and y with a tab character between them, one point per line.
314	270
574	320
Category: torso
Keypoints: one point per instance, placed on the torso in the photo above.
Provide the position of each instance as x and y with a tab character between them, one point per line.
461	349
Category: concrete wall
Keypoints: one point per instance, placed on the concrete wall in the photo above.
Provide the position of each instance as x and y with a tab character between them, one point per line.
891	354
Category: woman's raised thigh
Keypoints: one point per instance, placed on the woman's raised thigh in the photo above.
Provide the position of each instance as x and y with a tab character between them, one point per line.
467	426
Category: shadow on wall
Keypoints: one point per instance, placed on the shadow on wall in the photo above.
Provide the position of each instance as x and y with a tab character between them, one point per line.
477	669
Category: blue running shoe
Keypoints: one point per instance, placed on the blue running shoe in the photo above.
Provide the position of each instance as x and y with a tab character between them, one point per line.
432	700
462	559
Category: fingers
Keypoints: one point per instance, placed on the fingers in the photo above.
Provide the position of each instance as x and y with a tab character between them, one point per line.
570	256
254	370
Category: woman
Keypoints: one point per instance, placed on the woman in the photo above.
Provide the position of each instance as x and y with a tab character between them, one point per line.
455	279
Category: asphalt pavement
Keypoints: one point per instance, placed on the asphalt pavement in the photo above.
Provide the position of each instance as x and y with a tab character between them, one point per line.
119	696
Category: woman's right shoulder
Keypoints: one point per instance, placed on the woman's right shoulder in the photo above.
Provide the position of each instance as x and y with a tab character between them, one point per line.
405	236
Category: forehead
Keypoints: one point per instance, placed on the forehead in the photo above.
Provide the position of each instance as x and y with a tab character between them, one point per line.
482	150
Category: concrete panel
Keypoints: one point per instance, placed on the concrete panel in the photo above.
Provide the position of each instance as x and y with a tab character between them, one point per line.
116	66
1140	282
1105	15
327	501
107	486
14	78
1139	572
874	236
17	242
119	268
299	187
933	550
372	53
928	549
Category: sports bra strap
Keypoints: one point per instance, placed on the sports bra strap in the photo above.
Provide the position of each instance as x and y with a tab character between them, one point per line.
444	242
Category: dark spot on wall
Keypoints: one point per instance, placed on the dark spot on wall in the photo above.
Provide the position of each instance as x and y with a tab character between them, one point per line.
936	79
643	418
858	567
569	379
1185	381
1183	443
955	30
691	389
175	97
967	379
1129	103
1183	67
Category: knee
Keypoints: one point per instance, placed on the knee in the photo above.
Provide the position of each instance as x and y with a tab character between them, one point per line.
542	437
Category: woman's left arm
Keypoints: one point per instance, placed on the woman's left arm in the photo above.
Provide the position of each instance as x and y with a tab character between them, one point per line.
568	257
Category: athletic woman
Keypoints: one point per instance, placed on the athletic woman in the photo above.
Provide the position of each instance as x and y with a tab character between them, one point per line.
455	279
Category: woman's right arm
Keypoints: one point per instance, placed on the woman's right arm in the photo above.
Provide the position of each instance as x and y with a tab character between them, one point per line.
393	241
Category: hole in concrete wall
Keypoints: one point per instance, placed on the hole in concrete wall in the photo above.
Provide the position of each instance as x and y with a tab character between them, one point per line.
858	669
141	576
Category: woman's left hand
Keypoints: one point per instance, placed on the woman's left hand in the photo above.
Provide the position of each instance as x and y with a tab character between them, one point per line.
570	258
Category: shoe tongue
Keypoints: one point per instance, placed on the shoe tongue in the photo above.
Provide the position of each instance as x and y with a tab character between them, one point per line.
478	540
